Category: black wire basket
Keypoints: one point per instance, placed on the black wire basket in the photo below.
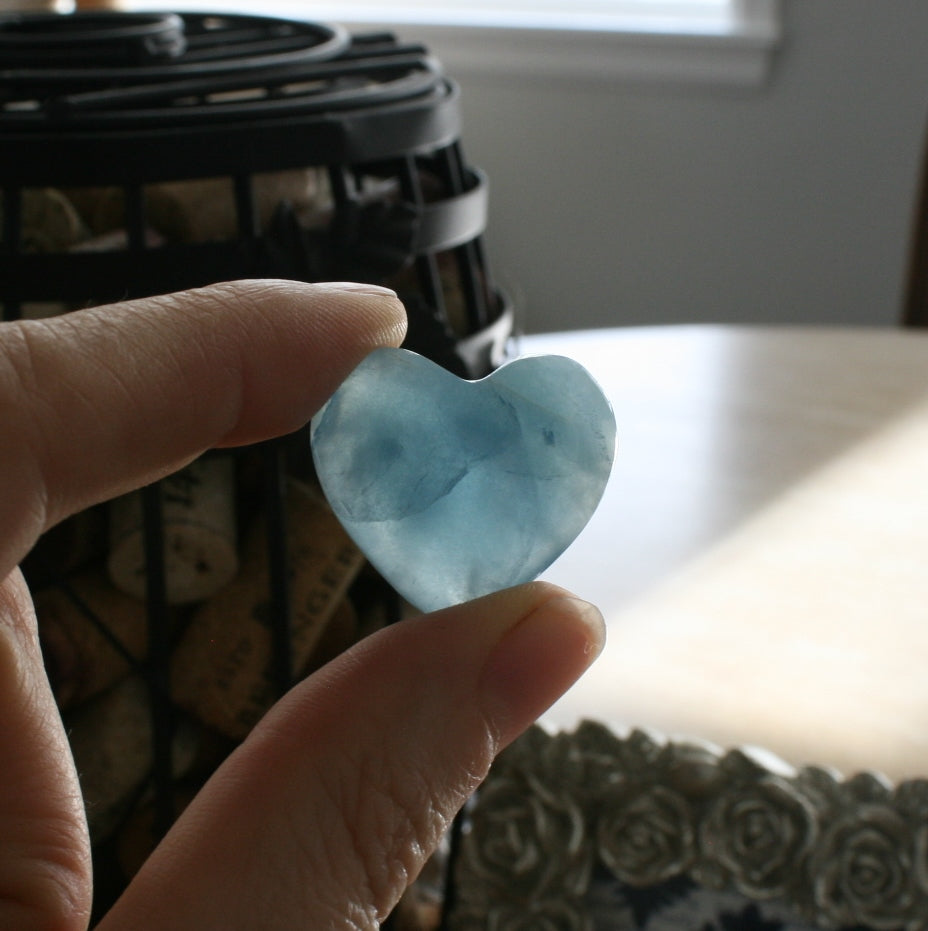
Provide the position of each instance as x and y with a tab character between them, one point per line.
142	154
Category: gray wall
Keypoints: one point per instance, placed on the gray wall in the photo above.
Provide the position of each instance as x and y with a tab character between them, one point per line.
629	202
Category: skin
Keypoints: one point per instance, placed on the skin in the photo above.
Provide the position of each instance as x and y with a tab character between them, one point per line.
329	809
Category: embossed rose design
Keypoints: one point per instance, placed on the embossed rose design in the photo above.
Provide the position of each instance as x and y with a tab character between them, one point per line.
560	914
863	871
759	833
647	837
585	763
549	915
526	842
921	855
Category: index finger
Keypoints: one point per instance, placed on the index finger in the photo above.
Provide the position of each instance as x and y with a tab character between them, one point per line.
100	401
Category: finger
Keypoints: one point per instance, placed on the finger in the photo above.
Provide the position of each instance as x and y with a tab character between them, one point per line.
99	401
328	810
45	873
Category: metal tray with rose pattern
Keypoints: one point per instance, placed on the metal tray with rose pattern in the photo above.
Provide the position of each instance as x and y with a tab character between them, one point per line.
590	830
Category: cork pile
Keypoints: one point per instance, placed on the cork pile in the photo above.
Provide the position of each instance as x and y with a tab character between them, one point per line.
89	585
92	219
89	575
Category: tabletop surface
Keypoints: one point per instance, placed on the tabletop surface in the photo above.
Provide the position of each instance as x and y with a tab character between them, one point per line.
761	551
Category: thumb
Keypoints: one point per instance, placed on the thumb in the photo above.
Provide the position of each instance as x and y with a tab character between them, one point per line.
45	868
329	809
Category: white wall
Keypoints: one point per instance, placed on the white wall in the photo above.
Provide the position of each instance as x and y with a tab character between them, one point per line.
628	202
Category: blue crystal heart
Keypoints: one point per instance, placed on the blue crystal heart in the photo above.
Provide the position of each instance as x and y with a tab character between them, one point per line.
454	489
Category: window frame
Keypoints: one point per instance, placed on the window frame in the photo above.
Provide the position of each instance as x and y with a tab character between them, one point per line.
661	42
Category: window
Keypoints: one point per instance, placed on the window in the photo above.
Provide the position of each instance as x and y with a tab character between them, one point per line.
701	41
701	17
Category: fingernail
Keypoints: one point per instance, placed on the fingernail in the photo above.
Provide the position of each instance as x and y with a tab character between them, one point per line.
536	661
358	287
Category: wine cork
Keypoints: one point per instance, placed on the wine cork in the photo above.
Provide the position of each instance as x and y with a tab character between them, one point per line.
421	906
50	222
415	912
222	666
204	210
117	240
34	6
111	739
91	634
99	5
200	553
102	209
42	310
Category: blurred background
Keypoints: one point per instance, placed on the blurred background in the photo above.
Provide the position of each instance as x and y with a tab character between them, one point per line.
685	171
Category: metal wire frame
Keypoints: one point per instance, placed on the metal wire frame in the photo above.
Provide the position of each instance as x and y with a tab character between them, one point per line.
363	107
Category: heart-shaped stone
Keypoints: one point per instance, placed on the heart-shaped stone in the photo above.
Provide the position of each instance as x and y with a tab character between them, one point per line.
454	489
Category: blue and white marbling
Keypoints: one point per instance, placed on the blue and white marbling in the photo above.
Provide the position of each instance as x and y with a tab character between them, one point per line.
454	489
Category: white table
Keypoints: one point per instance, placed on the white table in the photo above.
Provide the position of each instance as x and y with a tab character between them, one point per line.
761	551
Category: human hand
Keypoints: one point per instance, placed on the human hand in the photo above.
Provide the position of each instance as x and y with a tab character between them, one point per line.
330	807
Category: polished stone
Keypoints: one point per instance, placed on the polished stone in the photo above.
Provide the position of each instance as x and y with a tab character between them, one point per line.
454	489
